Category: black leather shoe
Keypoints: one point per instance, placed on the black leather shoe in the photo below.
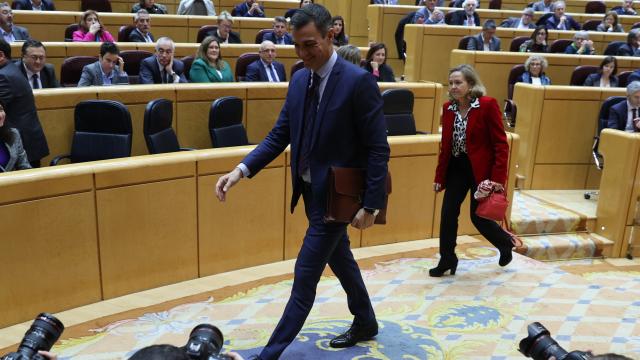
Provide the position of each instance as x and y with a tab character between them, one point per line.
444	265
354	335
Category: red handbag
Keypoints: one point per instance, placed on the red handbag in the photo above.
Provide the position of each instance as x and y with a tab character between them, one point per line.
493	207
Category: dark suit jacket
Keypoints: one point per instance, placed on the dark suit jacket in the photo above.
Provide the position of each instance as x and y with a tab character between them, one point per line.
256	71
626	50
385	71
26	5
349	131
594	80
17	95
476	43
136	36
513	22
234	37
634	76
150	73
288	40
243	10
487	145
459	17
618	116
20	33
47	75
569	24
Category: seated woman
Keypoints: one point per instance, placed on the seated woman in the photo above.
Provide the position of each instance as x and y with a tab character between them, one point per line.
534	71
339	38
610	23
376	63
208	65
12	154
150	6
289	13
537	42
606	75
91	29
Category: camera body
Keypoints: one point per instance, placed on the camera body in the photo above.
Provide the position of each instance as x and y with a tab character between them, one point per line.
205	343
43	333
539	345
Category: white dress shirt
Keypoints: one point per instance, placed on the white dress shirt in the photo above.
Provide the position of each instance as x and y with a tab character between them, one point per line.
30	77
630	127
270	66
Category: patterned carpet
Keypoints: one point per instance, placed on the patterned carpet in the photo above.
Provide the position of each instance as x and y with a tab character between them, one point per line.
480	313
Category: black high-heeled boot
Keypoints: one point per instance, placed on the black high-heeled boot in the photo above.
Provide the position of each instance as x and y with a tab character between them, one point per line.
505	256
444	265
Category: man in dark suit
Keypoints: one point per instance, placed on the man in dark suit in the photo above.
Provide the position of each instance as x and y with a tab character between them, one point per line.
142	32
332	116
543	5
20	107
279	35
467	16
36	5
486	40
249	8
625	115
11	32
225	34
162	68
34	67
266	69
560	21
631	47
523	22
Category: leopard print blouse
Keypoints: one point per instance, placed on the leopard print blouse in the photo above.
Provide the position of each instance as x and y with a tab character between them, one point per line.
460	127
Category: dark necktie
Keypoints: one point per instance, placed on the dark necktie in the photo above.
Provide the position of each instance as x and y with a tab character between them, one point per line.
272	73
634	113
163	76
310	110
36	85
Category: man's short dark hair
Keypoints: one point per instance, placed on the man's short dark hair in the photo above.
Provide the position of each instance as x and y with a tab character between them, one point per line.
5	48
31	43
160	352
489	25
315	13
280	19
109	47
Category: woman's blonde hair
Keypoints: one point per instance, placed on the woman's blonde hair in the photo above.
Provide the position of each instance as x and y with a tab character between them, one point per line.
542	59
476	88
202	52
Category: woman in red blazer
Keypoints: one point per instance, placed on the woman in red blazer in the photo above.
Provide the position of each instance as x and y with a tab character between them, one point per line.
474	151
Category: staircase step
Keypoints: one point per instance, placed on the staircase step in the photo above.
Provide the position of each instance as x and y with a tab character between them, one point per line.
530	215
565	246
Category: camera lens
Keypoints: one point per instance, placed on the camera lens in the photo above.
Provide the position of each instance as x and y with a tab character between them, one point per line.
205	341
43	333
539	345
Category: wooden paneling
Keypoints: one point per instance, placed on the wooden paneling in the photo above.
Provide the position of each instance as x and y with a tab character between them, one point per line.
49	256
148	235
559	176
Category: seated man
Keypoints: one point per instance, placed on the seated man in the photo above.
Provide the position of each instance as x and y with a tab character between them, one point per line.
581	44
142	32
11	32
266	68
543	5
486	40
631	47
108	70
224	34
279	36
196	7
626	8
162	68
624	115
436	18
34	67
249	8
425	11
560	21
523	22
35	5
467	16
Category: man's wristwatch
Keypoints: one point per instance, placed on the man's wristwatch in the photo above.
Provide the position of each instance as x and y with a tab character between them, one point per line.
373	212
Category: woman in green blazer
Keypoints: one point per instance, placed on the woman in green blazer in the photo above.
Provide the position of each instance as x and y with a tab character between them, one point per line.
208	65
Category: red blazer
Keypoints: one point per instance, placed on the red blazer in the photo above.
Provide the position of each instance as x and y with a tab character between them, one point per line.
487	145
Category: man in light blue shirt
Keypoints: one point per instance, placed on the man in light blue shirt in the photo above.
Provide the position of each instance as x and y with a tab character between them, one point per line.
108	70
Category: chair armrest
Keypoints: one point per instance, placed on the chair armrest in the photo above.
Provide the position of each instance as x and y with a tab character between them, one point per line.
57	159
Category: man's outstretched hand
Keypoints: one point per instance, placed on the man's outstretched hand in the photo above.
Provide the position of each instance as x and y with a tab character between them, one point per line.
226	182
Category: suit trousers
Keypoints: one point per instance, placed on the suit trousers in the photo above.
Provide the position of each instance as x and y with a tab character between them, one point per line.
324	243
459	181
